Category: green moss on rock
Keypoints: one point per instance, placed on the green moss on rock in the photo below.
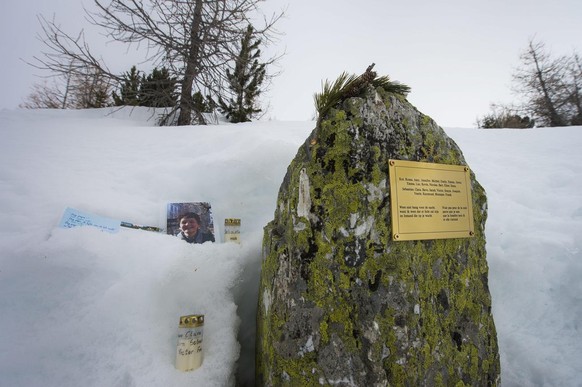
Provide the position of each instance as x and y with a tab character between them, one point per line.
340	303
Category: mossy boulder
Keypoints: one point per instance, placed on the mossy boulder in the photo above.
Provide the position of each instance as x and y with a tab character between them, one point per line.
340	303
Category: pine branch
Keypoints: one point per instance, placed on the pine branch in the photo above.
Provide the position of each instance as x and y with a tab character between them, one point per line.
347	86
332	93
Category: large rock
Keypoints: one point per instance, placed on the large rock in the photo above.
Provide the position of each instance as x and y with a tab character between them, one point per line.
340	303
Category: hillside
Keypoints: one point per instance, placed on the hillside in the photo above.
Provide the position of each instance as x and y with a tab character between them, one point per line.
84	306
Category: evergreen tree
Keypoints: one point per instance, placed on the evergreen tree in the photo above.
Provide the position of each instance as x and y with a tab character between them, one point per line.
129	89
203	105
158	89
245	81
195	40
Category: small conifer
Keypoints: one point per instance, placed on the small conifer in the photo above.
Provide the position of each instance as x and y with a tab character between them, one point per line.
158	89
245	81
129	90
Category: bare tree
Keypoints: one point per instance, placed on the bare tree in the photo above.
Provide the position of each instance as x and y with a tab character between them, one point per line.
575	89
90	89
542	81
195	39
504	116
70	90
44	95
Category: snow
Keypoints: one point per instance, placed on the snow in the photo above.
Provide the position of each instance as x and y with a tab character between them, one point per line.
81	306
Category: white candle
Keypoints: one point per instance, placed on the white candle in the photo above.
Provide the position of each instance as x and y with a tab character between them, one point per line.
232	230
189	351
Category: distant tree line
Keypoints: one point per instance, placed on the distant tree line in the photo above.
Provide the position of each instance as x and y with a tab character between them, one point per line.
158	89
550	87
206	56
79	90
501	116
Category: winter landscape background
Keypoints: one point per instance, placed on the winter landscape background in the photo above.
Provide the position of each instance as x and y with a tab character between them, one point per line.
452	53
84	307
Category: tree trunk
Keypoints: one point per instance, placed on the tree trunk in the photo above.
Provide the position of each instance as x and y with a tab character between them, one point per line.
185	117
551	111
577	93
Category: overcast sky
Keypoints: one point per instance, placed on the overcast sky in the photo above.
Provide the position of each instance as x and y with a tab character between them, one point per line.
456	55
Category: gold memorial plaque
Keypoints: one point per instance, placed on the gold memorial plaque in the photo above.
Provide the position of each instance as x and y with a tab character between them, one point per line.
430	201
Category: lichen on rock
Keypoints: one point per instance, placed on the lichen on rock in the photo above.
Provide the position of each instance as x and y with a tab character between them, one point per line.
340	302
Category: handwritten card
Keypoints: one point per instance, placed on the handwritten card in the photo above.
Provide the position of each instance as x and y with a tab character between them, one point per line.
75	218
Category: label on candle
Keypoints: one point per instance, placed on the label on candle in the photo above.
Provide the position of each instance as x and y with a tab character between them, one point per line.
189	350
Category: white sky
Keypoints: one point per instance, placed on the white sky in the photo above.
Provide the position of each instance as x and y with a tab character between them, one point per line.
456	55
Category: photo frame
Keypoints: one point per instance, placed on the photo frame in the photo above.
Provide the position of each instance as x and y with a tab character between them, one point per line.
200	213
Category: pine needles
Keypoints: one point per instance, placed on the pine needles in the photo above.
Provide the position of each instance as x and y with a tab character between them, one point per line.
332	92
347	85
391	86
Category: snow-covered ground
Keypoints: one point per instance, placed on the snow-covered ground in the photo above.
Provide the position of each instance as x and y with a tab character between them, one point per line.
84	307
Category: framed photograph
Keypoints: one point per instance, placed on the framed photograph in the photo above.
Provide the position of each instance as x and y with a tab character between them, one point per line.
191	222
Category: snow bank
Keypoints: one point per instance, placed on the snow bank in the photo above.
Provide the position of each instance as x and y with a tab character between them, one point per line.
80	306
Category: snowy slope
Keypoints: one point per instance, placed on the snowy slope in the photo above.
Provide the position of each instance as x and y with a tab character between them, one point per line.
84	306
